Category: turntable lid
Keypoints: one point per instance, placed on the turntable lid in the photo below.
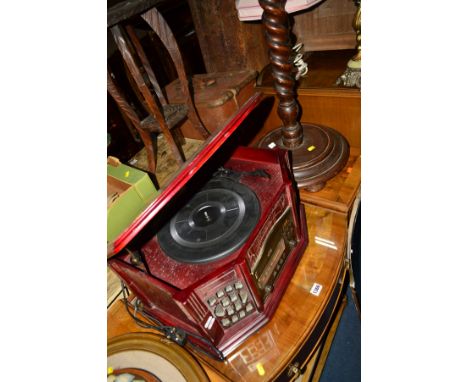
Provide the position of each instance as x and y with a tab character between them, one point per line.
182	176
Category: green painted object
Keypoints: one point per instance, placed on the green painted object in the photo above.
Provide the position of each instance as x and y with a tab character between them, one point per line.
129	192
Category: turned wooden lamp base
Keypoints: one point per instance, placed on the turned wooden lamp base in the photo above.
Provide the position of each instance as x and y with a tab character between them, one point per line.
322	154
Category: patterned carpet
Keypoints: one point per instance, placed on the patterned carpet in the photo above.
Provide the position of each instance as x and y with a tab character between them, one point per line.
344	359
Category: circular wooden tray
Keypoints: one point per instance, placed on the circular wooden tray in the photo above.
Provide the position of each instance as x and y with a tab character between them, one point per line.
155	356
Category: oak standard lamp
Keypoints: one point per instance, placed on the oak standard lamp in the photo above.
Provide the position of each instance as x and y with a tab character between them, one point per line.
318	152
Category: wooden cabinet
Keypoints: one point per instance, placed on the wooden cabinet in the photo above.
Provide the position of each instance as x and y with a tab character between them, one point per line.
327	26
227	43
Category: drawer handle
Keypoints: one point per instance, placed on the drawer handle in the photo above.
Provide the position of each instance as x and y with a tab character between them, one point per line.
294	371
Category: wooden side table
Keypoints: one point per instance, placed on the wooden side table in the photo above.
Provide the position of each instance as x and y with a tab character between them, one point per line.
284	347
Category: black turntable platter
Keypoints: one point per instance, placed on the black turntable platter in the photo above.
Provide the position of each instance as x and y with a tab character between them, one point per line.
215	222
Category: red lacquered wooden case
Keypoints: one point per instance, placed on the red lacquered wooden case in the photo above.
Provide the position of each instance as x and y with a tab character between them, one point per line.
229	294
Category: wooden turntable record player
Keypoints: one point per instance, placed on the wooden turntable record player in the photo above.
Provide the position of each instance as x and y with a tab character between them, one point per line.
213	264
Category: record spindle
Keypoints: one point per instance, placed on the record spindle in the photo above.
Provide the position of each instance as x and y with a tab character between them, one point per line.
318	152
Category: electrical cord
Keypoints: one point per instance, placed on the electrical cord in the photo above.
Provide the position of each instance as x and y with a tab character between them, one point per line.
299	63
178	335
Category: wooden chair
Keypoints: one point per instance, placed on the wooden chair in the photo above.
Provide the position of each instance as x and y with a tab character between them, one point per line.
161	117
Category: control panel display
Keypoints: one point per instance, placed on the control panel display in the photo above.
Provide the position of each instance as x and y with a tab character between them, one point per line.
273	254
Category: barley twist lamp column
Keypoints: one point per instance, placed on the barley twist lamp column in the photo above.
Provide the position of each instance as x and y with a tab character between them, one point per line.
318	152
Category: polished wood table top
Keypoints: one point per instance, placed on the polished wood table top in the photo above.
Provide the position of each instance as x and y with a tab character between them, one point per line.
340	191
265	354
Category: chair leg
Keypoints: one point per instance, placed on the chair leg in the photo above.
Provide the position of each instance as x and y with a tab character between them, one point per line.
130	126
173	145
178	136
151	153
